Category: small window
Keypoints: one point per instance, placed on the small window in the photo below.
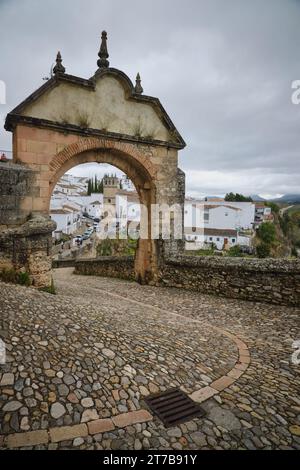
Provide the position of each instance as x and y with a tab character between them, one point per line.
194	229
233	240
226	214
218	239
210	239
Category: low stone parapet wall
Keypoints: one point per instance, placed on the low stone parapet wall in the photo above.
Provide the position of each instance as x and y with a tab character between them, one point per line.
107	266
275	281
27	249
63	263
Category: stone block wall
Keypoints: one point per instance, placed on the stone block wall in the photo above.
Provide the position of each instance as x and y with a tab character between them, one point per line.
27	248
121	267
25	240
16	182
275	281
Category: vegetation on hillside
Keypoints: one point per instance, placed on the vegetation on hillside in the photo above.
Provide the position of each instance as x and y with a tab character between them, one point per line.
116	247
274	207
266	234
290	226
236	197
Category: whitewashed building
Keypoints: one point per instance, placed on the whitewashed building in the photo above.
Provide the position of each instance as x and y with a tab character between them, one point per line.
221	239
218	223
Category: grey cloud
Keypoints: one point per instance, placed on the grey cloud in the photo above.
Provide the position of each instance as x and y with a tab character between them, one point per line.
223	70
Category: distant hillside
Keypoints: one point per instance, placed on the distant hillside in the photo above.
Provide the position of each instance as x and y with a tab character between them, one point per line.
288	199
257	198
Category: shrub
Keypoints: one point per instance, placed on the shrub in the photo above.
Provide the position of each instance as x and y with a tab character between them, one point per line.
105	248
23	279
263	250
294	252
15	277
267	232
50	289
235	251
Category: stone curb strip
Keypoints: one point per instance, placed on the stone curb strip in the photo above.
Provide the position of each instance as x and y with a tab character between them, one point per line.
64	433
226	380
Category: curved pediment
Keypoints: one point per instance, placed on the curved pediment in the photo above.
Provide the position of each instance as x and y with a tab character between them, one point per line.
106	104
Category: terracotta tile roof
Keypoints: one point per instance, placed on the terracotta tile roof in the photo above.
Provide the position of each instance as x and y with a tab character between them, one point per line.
211	232
214	206
220	232
59	211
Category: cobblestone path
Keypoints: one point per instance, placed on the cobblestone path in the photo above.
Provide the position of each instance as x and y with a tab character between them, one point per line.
79	365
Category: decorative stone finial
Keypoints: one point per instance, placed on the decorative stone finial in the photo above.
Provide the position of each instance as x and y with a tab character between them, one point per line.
138	87
103	54
58	68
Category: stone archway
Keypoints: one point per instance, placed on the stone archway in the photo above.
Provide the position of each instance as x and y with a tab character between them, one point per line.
70	120
140	171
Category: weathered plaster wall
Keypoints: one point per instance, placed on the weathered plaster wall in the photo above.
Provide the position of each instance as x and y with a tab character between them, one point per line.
80	106
276	281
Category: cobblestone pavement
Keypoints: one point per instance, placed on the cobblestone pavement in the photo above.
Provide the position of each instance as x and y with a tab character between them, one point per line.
79	365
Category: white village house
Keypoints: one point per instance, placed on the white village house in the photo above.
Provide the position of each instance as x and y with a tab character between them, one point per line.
218	223
211	222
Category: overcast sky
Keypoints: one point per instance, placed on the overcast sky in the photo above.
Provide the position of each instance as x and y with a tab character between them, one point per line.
222	69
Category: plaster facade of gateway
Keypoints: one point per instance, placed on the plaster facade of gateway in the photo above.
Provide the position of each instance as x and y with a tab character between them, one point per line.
106	119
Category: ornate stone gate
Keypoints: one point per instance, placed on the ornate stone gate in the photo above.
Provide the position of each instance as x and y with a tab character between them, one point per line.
105	119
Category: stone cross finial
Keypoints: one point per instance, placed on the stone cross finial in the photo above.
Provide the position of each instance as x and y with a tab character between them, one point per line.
103	54
138	87
58	68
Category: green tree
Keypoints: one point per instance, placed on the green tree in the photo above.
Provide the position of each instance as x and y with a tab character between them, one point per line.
267	233
100	186
89	190
237	198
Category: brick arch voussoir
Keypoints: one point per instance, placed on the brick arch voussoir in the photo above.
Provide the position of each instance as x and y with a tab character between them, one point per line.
92	144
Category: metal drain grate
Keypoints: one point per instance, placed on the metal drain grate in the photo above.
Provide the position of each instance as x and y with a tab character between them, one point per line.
174	407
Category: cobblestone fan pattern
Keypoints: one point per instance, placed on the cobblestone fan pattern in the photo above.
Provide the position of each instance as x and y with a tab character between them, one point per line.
80	363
